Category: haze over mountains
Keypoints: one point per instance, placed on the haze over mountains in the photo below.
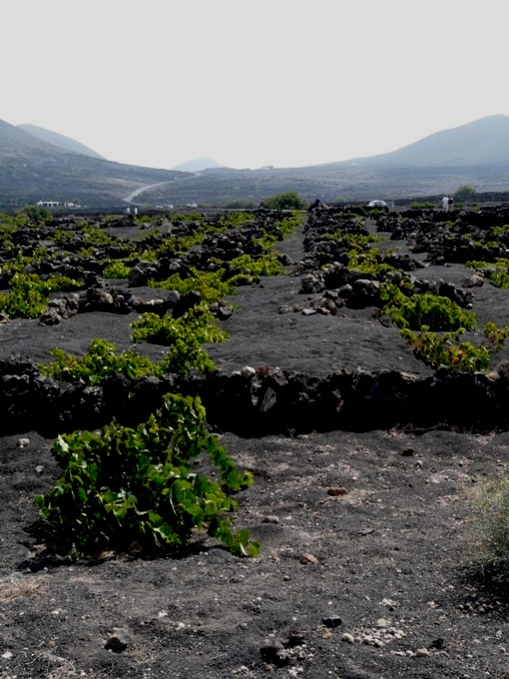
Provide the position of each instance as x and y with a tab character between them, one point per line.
36	164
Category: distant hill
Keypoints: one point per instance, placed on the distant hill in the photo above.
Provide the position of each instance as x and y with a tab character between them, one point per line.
59	140
475	154
32	169
482	142
198	165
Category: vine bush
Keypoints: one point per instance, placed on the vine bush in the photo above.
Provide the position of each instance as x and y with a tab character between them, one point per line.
100	362
124	487
209	284
184	337
447	349
433	311
28	294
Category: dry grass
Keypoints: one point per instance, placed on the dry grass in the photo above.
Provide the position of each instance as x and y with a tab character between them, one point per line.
17	588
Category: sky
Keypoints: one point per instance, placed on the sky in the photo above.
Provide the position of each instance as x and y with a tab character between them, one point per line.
288	83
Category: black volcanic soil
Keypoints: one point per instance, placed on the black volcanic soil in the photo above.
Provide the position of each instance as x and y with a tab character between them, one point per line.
367	538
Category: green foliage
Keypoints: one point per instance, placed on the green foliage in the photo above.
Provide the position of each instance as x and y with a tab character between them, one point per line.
492	528
435	312
246	269
369	261
288	225
497	272
96	236
209	284
500	278
183	336
180	244
124	486
28	294
465	193
100	362
285	201
358	243
116	269
439	350
33	214
447	349
427	205
233	219
21	260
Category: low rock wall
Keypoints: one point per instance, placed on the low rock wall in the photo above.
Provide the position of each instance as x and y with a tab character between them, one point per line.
258	402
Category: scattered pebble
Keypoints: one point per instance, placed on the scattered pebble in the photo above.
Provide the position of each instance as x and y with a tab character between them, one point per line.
378	636
421	652
335	490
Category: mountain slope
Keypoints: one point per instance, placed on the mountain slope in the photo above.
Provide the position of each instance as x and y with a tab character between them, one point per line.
481	142
59	140
198	165
32	170
475	154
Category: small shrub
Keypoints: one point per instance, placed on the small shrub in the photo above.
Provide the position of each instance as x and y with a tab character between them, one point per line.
116	269
492	527
124	486
285	201
28	294
246	268
184	338
100	362
465	193
433	311
209	284
440	350
447	349
427	205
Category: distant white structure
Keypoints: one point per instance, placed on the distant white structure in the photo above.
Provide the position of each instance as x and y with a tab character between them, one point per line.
47	203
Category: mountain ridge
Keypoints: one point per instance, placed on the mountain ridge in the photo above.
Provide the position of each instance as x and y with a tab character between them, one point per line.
477	153
198	165
480	142
59	140
32	169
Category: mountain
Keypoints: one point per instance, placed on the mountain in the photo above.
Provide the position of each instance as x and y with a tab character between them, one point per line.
59	140
476	154
32	169
198	165
482	142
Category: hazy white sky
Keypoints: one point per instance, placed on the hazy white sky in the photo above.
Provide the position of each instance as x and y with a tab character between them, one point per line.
272	82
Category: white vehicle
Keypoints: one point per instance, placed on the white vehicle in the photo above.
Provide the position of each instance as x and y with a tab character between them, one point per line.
377	203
